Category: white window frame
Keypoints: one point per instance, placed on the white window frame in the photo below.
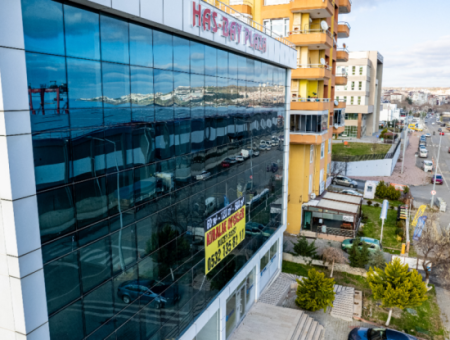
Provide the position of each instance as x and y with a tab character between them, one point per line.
353	70
268	24
359	100
322	150
329	146
310	184
311	154
353	86
361	70
360	86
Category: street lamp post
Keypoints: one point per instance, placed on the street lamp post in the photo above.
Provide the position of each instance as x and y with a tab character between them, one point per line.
435	170
405	142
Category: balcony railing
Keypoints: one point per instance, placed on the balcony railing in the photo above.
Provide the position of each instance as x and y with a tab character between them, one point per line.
241	2
343	74
343	49
309	100
310	31
330	1
326	67
245	19
344	23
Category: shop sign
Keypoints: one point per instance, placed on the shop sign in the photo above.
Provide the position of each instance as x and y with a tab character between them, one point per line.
224	230
209	20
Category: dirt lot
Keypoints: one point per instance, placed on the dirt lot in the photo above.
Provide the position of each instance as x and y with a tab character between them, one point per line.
412	175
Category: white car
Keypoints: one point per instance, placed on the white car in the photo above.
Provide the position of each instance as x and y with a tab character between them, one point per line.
427	166
239	158
423	153
202	175
351	192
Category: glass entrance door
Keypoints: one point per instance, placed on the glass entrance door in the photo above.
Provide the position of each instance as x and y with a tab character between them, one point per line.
240	300
236	304
307	220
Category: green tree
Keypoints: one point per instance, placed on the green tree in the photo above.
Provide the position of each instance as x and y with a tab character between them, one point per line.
377	260
315	291
303	248
364	256
396	286
381	189
354	253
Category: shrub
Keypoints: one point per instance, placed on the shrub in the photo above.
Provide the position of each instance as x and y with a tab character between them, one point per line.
406	190
381	189
369	203
376	205
315	291
401	224
303	248
399	232
359	257
360	233
377	260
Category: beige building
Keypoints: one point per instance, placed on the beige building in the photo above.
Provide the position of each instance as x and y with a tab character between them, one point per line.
362	93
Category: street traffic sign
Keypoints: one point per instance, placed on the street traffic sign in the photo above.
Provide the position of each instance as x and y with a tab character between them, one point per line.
433	192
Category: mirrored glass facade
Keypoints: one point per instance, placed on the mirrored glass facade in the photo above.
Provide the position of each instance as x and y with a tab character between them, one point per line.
138	136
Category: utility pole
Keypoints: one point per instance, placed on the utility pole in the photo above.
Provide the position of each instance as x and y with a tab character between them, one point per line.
435	170
405	141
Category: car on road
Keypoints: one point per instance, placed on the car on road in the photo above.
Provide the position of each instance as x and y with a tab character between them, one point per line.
351	192
374	244
432	123
345	181
226	163
232	160
427	135
438	178
423	153
272	167
427	166
255	153
240	158
360	333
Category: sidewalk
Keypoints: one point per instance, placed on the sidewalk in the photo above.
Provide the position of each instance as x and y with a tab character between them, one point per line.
443	300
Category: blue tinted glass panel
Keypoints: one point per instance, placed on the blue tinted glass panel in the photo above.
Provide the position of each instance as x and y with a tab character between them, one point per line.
242	68
47	90
145	184
180	54
182	96
120	192
51	159
141	46
197	89
56	213
142	94
163	81
68	323
197	134
114	37
144	144
62	282
43	26
162	50
119	148
123	248
233	65
82	32
60	247
95	316
91	201
92	233
222	64
165	140
211	61
197	57
95	261
116	85
88	154
250	68
182	137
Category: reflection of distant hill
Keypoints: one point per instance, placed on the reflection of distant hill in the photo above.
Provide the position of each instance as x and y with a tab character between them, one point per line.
135	98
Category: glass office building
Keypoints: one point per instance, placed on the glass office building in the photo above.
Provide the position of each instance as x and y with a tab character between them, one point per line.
138	134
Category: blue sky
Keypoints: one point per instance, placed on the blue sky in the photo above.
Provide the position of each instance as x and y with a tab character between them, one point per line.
412	35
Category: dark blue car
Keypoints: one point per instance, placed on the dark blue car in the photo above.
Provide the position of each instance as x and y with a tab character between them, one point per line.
147	290
378	334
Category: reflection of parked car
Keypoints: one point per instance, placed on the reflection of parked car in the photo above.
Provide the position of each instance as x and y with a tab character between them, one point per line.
239	158
255	153
343	180
373	244
360	333
202	175
148	290
226	163
351	192
272	167
232	160
253	228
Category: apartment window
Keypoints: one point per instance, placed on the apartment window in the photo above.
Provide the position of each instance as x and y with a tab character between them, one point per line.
353	70
329	145
359	100
351	116
345	99
311	153
353	86
352	100
360	71
278	26
337	98
360	86
322	150
310	184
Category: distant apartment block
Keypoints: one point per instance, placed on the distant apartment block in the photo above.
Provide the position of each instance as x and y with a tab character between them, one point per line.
362	93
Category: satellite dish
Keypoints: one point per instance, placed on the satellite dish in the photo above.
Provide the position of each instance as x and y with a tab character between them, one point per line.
335	126
312	195
322	61
336	103
324	25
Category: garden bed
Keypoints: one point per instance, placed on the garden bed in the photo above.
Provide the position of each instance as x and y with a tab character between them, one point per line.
359	149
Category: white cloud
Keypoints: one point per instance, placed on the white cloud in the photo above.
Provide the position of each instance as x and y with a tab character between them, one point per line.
424	65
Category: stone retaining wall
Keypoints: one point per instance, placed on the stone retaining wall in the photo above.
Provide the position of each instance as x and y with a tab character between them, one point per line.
338	267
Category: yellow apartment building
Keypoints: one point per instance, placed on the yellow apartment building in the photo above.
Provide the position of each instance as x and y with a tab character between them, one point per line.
314	28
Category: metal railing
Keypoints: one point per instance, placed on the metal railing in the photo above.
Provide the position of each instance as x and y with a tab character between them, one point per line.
241	2
344	23
312	100
326	67
343	49
310	31
345	75
247	20
330	1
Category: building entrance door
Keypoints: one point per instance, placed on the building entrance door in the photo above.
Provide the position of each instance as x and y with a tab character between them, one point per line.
236	304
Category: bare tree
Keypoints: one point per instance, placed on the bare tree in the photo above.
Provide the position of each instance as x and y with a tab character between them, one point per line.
434	247
332	255
338	168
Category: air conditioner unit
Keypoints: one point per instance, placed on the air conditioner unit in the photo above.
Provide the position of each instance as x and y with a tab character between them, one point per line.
312	195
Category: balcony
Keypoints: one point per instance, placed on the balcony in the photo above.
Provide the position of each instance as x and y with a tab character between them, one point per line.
342	55
317	8
343	30
341	79
338	122
308	129
311	72
315	39
342	104
345	6
309	104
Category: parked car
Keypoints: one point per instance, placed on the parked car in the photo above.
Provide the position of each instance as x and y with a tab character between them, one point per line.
427	166
147	290
360	333
202	175
232	160
272	167
373	244
255	153
246	153
239	158
427	135
253	228
351	192
423	153
343	180
226	163
439	179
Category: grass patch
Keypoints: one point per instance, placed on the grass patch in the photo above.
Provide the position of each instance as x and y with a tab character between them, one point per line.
391	203
359	149
295	268
373	227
